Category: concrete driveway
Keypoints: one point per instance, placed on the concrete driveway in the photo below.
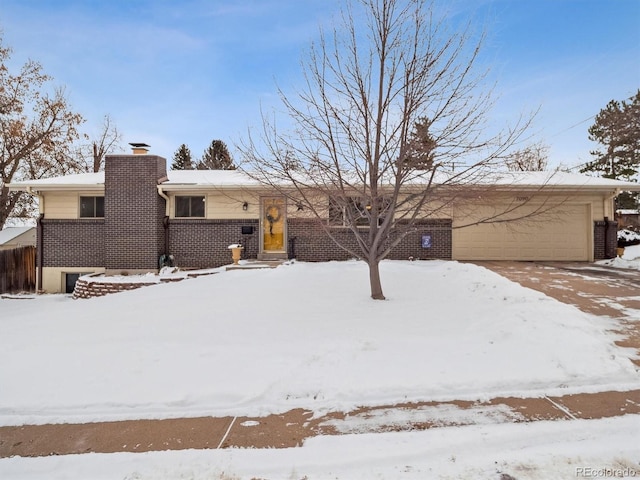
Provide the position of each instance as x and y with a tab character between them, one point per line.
597	289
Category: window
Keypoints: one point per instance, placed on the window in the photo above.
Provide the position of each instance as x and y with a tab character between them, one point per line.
192	206
91	207
353	209
70	280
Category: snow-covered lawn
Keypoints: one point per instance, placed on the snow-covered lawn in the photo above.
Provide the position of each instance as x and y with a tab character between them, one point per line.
254	342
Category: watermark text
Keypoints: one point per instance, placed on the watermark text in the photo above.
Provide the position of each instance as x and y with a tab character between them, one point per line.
607	472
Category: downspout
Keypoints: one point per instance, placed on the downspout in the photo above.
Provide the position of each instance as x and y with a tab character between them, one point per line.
165	224
39	254
166	200
165	220
40	239
612	203
606	237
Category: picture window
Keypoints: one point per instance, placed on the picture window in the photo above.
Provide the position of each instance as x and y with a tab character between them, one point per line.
190	206
353	210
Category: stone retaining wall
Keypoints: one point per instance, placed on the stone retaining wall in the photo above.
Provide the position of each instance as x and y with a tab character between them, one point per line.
85	288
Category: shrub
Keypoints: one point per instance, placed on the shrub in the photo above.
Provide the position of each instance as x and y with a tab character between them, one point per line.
628	237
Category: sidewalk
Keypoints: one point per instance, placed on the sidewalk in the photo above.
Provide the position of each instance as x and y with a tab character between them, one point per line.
291	428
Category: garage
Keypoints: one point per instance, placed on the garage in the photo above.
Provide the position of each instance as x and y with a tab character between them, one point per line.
563	233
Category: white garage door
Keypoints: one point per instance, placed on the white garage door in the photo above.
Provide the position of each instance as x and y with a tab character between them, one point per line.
562	235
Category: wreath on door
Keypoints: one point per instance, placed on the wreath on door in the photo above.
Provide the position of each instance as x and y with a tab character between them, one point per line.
272	214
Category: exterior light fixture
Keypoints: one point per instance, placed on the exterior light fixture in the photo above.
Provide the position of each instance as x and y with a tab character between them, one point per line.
245	206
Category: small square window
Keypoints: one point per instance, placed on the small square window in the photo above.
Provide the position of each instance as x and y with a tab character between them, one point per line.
191	206
91	207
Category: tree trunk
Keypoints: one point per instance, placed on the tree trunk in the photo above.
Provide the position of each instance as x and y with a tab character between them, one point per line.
97	159
5	205
374	280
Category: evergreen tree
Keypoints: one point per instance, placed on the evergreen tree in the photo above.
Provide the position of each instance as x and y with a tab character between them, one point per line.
182	159
617	129
216	157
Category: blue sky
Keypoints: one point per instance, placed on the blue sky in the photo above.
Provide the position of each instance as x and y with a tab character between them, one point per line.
170	72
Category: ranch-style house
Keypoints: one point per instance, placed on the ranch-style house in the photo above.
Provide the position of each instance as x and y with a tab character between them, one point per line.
136	216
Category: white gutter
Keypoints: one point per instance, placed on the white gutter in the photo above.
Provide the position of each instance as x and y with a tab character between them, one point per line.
30	191
167	206
39	188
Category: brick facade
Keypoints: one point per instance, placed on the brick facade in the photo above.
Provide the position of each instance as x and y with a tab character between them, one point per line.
309	241
73	243
133	212
605	239
133	233
196	243
204	243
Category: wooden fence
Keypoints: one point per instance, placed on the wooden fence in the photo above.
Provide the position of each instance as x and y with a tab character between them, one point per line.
18	270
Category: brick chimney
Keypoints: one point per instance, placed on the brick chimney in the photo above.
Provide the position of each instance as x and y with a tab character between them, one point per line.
133	211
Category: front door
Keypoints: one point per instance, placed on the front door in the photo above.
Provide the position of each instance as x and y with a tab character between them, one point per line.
274	225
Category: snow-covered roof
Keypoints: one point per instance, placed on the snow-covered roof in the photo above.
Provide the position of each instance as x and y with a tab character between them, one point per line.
204	178
76	180
180	179
555	179
10	233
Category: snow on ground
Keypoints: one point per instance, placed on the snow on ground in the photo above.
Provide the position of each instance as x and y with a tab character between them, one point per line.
605	448
630	259
254	342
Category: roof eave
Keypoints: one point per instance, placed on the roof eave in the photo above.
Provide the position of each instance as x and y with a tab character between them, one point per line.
38	188
177	187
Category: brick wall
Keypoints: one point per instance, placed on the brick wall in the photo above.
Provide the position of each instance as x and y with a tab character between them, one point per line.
196	243
73	243
134	235
312	244
605	239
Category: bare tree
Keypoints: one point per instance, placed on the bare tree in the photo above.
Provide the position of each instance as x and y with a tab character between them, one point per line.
37	131
92	153
384	117
533	158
